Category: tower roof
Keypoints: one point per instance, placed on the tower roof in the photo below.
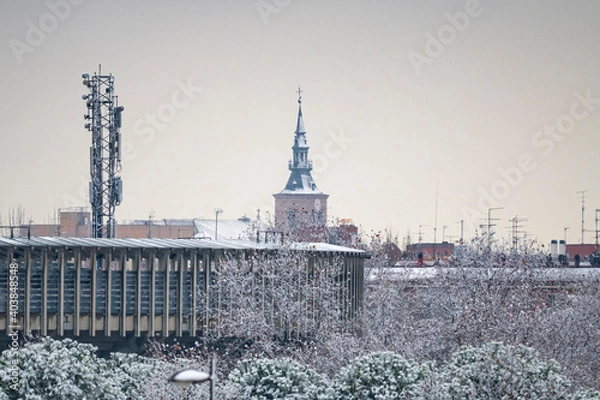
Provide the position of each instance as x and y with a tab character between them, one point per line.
300	180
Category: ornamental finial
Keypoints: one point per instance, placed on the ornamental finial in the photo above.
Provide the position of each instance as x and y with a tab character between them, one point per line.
299	91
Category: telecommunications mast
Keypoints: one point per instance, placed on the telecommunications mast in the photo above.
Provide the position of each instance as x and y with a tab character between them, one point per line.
103	120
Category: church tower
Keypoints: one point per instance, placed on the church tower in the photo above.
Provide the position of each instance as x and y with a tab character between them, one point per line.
300	207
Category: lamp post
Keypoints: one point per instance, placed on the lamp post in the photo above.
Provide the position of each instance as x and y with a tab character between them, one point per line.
187	377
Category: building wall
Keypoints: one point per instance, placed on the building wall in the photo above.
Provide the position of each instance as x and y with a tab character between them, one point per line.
345	234
76	223
155	231
583	250
43	230
303	206
72	223
430	251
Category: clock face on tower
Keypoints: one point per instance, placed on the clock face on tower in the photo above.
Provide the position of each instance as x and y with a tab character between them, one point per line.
317	204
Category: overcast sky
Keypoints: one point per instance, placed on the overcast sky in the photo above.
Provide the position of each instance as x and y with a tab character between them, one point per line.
494	104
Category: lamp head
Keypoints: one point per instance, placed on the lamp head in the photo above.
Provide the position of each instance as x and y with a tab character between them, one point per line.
186	377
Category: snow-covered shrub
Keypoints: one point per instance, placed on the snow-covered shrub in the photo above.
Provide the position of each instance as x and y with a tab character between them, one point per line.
586	395
130	372
498	371
378	376
52	369
157	385
264	379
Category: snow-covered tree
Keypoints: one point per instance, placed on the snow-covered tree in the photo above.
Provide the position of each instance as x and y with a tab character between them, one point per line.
157	385
503	294
278	296
497	371
52	369
379	376
130	372
584	394
265	379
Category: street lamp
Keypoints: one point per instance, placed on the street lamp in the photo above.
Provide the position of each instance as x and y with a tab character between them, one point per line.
187	377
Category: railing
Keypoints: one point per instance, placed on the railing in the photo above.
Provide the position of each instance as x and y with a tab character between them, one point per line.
308	165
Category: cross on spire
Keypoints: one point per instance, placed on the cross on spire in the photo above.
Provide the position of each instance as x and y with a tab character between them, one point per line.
299	91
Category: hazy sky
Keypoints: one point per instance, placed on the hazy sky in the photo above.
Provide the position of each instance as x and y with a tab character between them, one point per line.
494	103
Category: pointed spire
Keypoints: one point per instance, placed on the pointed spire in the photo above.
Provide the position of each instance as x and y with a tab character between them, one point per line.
300	123
300	180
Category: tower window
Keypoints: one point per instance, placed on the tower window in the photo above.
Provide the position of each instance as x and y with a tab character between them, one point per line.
291	214
317	218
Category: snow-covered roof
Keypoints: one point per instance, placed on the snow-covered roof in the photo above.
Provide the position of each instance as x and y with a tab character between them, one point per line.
123	243
221	244
227	229
538	274
161	222
300	182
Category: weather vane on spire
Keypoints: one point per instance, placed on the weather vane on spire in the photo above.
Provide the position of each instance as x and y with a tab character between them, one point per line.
299	91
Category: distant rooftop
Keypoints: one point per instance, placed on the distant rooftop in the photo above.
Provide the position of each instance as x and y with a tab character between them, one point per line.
227	229
160	222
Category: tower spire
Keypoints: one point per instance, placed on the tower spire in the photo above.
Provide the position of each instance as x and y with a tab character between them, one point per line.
300	166
300	123
300	203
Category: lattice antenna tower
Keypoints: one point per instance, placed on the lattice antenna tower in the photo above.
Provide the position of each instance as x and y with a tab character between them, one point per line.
103	120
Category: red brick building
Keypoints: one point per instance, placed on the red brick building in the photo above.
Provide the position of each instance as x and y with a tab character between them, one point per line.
430	251
75	222
580	252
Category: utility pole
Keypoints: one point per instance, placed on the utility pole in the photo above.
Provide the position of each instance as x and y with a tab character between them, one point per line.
103	120
581	193
596	226
436	215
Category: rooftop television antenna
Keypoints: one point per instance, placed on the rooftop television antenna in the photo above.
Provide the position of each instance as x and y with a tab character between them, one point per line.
581	193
